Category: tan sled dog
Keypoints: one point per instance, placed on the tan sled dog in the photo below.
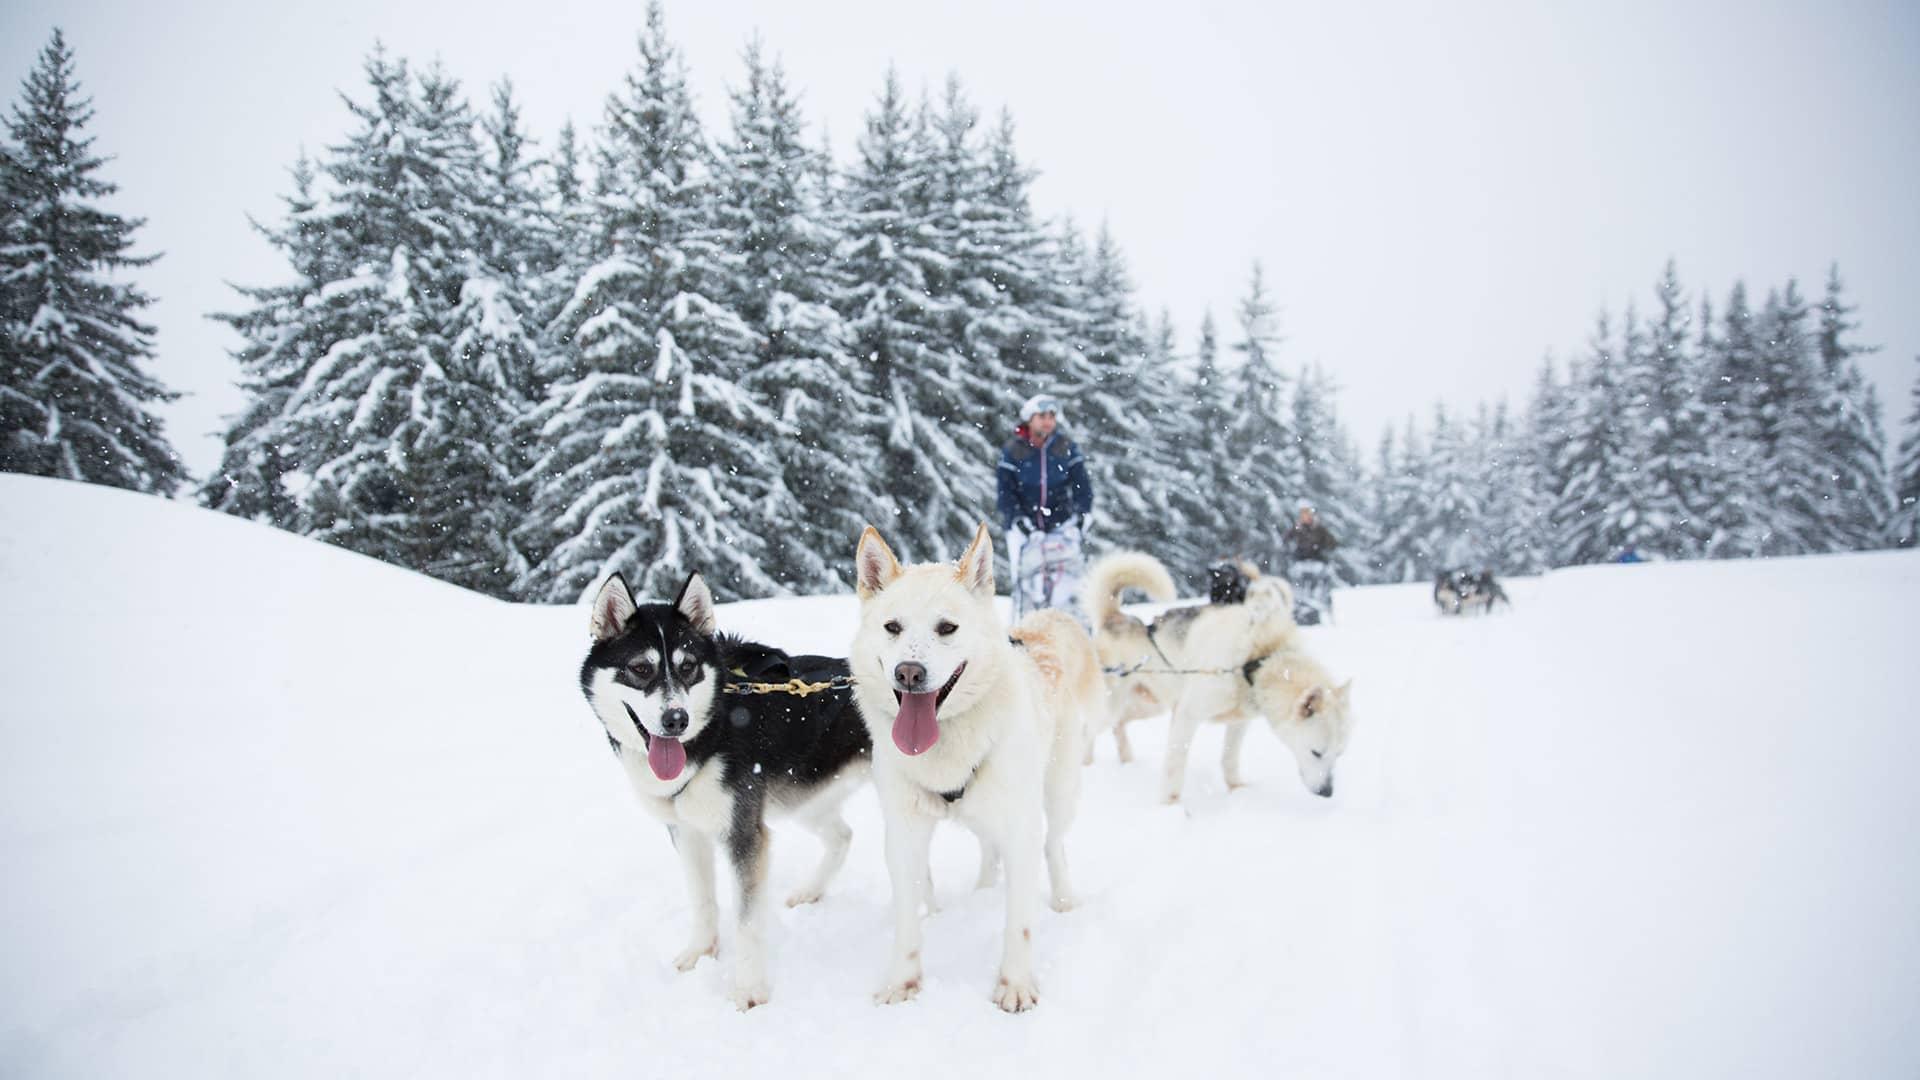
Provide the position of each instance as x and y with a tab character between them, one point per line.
1199	664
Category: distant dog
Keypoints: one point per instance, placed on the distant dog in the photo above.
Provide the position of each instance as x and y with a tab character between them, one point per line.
970	724
1215	662
710	763
1456	592
1227	581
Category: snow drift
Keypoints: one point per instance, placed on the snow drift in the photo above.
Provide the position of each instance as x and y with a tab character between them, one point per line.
270	808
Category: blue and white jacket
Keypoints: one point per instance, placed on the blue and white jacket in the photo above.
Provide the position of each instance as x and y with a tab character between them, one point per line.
1046	485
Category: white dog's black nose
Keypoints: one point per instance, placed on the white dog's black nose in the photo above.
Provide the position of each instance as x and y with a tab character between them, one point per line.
910	676
673	722
1325	790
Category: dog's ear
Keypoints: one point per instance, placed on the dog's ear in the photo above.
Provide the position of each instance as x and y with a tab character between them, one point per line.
874	566
975	569
696	603
612	607
1312	702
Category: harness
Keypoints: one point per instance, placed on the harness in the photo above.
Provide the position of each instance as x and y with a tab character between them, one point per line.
1122	671
794	686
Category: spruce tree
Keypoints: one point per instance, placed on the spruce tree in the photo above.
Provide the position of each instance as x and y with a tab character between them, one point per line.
1265	468
1905	528
1856	487
76	395
1595	462
640	467
1789	439
1736	508
1327	473
1669	442
777	245
284	335
931	460
1402	546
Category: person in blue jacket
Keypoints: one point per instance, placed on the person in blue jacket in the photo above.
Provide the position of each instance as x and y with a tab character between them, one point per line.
1046	508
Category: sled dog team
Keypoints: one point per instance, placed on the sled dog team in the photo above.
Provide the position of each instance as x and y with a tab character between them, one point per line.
949	713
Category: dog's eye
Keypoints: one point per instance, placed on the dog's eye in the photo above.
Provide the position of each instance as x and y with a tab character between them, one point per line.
1318	754
642	669
892	627
943	628
687	669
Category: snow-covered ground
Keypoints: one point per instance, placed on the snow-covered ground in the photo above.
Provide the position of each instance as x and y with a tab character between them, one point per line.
271	809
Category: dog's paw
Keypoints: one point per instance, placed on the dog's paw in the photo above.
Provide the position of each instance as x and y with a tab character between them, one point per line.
1016	995
896	992
1063	904
691	954
747	995
1171	798
1236	785
804	896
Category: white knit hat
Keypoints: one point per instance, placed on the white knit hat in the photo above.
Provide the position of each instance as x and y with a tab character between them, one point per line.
1040	403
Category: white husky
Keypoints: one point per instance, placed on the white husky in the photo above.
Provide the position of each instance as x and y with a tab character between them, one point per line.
1225	663
964	725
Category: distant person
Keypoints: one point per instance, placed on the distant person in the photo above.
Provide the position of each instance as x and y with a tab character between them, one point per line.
1629	554
1308	545
1046	508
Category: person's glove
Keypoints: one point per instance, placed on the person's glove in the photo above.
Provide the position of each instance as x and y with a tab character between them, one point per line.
1024	525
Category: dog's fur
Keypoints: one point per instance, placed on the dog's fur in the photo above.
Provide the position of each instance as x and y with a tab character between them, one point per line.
1007	741
655	668
1198	663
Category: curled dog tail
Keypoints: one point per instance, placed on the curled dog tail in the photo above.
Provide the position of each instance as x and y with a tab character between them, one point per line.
1114	574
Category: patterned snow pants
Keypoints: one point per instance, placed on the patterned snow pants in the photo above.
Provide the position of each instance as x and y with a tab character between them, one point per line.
1051	566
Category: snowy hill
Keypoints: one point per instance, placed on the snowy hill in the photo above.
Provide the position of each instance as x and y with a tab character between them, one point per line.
268	808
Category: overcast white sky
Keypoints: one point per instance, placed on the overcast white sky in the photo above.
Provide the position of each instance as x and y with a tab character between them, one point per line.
1440	193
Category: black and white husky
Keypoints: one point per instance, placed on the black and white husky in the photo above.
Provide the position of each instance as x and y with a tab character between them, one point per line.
710	761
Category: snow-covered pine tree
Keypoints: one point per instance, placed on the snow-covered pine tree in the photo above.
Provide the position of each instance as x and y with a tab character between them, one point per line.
1736	509
1595	461
1266	472
1549	429
1199	501
1327	468
76	398
1853	443
285	330
1125	409
1185	540
479	443
1450	526
394	432
1401	546
1508	481
1905	528
1670	440
1788	394
778	243
933	469
641	468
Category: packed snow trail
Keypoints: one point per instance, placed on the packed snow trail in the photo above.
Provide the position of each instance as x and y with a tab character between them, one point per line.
271	808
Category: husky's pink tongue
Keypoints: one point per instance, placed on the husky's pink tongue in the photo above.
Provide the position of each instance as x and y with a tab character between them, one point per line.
666	756
916	728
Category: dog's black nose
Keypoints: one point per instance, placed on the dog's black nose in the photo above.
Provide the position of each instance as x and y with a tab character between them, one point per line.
673	722
1326	789
910	677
